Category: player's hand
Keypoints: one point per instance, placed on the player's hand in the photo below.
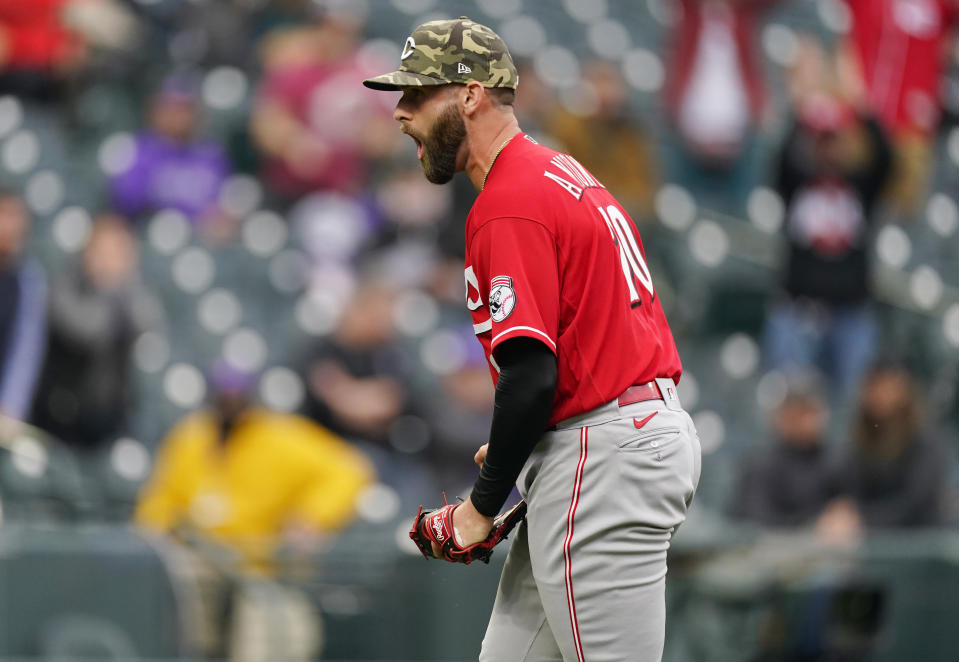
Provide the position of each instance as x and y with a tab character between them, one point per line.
469	526
840	524
460	534
480	456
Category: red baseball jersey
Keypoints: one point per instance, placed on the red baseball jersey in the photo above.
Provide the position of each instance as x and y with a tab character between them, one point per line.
551	255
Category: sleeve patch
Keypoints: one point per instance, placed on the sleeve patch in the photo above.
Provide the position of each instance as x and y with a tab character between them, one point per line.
502	298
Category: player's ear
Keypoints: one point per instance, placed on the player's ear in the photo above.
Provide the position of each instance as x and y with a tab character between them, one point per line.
472	97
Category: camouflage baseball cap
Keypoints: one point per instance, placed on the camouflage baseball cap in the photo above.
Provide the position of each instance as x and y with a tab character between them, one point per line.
451	51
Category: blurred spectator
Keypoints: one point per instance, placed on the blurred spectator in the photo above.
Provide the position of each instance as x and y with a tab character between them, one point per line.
896	472
316	128
36	47
830	172
609	140
250	478
900	48
790	482
334	230
715	94
240	483
97	310
417	212
172	168
209	34
23	297
44	42
361	382
459	409
356	375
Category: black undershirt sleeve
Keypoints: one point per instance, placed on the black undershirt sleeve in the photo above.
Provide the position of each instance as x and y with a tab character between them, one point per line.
523	404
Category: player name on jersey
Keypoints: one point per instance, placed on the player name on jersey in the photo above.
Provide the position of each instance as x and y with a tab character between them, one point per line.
581	178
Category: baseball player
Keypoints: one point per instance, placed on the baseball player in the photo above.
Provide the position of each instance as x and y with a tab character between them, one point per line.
587	422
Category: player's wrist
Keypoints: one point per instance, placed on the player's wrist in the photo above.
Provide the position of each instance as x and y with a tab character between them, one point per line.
469	525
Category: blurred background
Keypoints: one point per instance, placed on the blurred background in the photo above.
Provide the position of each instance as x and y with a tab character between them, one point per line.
234	355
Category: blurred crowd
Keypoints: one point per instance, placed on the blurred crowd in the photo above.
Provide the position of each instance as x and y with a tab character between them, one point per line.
230	110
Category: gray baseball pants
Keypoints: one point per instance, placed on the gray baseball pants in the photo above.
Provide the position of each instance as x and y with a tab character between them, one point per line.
585	578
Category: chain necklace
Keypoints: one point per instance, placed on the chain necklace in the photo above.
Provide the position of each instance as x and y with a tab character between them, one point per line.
495	156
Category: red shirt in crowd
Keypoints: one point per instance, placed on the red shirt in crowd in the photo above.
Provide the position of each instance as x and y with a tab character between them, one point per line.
551	255
900	46
685	39
32	34
324	97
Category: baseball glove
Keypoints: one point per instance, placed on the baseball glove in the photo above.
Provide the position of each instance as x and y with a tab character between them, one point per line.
436	526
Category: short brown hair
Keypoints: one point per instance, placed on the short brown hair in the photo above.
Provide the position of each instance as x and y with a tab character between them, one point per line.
502	96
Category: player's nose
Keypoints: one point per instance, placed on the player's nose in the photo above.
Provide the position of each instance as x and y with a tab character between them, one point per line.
402	111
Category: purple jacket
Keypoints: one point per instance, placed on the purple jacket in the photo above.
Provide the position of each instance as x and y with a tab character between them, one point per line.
168	175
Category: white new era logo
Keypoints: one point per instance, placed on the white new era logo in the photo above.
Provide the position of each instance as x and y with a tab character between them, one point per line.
408	48
462	69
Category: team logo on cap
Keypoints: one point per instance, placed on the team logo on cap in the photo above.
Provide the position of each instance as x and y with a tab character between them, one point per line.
502	298
408	48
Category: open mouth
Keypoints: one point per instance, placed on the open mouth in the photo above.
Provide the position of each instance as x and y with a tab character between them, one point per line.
419	144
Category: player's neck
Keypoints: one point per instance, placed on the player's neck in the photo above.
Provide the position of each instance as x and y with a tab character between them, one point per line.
485	145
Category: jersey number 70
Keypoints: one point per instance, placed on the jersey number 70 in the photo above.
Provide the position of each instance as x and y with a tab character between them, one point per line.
630	257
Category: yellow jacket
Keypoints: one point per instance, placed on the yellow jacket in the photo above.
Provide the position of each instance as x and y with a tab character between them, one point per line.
275	469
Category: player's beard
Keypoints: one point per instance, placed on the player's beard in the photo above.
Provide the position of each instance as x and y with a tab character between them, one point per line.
441	147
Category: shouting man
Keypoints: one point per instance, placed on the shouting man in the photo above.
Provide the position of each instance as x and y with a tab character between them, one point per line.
587	421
